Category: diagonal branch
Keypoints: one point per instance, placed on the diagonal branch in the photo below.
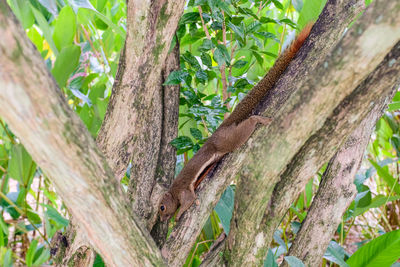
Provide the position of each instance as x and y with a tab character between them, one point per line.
36	111
339	13
335	193
332	97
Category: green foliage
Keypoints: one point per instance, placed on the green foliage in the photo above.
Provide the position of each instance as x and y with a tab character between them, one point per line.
294	262
65	28
382	251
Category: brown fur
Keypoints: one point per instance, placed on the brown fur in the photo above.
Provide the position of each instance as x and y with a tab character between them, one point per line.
233	132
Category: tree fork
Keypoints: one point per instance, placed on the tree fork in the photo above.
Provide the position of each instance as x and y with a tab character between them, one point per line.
35	109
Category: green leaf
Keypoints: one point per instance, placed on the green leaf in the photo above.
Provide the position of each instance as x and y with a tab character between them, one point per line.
23	12
176	77
294	261
267	35
65	64
381	251
335	253
33	217
258	57
189	58
36	38
310	12
206	45
189	17
3	226
53	214
277	4
3	241
65	28
196	133
298	5
206	59
236	29
31	252
265	20
386	176
270	260
20	166
376	202
239	64
44	26
394	106
7	259
41	256
98	261
77	4
202	76
50	5
252	27
221	55
182	143
241	83
289	22
224	208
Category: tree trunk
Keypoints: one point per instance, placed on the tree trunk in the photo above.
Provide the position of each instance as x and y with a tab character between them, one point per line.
36	111
136	114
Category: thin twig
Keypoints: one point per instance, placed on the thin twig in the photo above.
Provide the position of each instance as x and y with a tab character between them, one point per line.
7	132
202	23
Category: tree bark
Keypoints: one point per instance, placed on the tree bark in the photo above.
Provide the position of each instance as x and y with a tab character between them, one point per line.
335	194
320	43
36	111
133	125
335	98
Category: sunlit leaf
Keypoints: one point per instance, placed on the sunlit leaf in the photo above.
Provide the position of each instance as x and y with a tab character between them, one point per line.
381	251
66	63
65	28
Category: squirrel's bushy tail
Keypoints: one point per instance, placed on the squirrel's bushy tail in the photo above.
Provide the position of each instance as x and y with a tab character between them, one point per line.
246	106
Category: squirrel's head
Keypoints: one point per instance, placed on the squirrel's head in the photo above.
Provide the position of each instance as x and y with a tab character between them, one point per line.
167	207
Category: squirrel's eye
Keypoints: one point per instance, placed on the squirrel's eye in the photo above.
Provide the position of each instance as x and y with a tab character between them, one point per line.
162	208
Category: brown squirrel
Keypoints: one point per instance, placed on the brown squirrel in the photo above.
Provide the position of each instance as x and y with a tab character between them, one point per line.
231	134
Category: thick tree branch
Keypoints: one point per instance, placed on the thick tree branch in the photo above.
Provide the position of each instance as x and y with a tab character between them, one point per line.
382	79
320	43
335	193
313	107
36	111
132	128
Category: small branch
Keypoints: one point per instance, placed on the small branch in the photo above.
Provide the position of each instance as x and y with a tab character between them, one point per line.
204	25
7	132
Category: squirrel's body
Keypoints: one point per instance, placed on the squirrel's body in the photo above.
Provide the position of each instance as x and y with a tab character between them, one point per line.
232	133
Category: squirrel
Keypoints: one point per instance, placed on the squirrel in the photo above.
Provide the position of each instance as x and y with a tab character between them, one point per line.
230	135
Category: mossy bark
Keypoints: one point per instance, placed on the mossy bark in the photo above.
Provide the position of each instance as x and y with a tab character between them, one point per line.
335	193
332	100
135	125
36	111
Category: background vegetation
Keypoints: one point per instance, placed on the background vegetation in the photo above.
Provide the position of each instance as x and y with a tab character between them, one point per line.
226	47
